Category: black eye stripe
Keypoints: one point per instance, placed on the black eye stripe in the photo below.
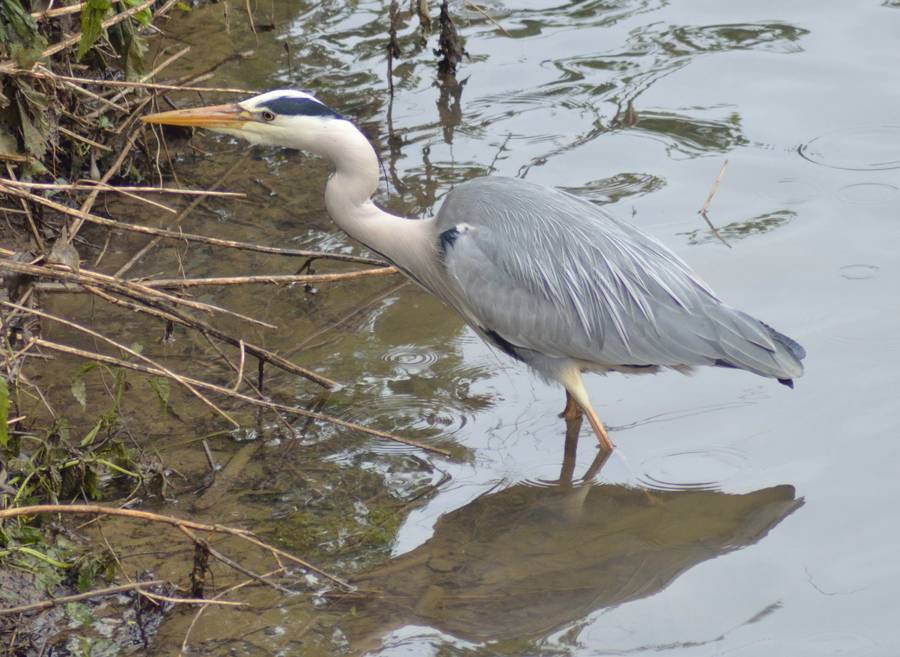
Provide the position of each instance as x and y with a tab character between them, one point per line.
294	106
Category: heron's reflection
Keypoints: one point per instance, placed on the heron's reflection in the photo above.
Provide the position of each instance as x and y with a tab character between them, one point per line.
525	561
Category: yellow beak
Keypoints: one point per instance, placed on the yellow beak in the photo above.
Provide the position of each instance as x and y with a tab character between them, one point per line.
213	116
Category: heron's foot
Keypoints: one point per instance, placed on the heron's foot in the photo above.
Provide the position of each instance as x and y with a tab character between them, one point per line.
572	411
602	437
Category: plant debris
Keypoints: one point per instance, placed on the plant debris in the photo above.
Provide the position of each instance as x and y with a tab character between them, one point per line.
74	79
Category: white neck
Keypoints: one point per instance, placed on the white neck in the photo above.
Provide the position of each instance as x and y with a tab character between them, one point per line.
348	198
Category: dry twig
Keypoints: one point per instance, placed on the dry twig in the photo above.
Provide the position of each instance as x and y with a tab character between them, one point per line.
178	523
233	564
109	22
490	18
295	410
712	192
134	354
87	595
89	185
175	316
127	288
14	190
62	11
275	279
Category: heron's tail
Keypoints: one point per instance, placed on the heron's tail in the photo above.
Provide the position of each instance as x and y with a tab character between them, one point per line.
743	339
794	348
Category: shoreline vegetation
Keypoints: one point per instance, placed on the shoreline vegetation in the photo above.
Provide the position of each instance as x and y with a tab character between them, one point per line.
74	80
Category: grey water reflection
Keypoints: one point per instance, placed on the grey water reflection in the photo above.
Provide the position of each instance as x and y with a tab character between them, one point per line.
737	230
632	104
617	188
608	85
520	563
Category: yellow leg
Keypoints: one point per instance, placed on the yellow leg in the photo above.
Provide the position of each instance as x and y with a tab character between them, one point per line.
599	429
572	410
575	391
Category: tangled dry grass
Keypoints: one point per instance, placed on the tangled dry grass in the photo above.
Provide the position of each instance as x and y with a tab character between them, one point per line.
74	80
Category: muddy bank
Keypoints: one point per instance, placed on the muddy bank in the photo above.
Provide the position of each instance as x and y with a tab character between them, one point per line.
92	406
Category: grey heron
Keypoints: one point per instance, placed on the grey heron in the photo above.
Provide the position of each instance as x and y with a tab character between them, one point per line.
548	278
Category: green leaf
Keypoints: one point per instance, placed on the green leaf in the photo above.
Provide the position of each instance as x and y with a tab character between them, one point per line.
4	413
80	614
133	54
144	16
33	118
60	428
91	483
79	392
87	574
89	438
87	367
163	389
183	6
91	24
118	387
115	468
128	43
30	535
41	556
9	147
25	44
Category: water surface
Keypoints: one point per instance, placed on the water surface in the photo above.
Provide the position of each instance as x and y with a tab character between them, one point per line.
737	517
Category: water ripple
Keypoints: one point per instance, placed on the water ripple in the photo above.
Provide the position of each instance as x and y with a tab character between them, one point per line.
859	272
417	416
411	358
702	469
867	193
773	37
873	148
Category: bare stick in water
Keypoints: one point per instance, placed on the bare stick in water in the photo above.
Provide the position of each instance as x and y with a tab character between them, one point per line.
712	192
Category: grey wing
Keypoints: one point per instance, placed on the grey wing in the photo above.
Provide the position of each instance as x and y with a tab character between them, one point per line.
549	272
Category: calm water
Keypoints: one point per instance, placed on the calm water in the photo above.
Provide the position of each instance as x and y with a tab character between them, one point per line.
738	517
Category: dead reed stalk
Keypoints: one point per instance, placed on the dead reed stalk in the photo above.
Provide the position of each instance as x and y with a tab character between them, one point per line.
178	523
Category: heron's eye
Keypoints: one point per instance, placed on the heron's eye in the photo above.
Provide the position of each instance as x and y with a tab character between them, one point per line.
268	116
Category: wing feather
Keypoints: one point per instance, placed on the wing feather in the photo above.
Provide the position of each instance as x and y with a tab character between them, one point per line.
555	274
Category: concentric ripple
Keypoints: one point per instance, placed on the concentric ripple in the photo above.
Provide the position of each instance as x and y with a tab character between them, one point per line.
419	416
859	272
704	469
874	148
411	358
867	193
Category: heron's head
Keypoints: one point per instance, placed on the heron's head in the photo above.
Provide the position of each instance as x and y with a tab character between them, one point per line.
285	117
